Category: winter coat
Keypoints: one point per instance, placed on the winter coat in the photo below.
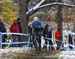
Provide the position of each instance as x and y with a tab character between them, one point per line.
19	25
3	29
45	31
57	35
50	34
14	27
30	29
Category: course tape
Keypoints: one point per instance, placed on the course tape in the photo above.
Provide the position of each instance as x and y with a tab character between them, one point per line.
15	34
15	43
6	43
31	42
53	39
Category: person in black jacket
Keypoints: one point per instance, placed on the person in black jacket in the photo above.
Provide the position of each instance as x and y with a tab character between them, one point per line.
3	29
19	24
30	32
45	34
50	41
20	31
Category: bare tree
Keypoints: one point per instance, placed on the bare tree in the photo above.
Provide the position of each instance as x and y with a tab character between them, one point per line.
59	17
23	17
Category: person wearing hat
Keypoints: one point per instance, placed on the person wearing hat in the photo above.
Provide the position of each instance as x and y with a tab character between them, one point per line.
36	33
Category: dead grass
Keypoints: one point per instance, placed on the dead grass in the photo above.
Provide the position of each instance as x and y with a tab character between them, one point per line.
32	54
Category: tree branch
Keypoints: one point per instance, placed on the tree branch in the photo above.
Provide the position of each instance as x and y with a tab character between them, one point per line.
50	4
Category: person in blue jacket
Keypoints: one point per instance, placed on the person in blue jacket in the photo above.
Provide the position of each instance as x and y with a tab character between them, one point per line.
36	33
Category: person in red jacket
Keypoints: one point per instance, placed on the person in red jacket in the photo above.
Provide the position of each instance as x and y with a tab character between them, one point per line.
57	38
14	29
57	35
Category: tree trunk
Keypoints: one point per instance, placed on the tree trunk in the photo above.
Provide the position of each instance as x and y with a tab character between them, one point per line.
23	4
59	18
23	17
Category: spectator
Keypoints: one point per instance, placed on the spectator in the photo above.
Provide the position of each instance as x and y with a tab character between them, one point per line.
45	34
70	38
70	41
19	25
20	31
50	41
36	32
14	29
30	32
3	29
57	38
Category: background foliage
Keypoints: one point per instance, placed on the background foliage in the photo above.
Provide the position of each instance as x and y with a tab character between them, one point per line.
8	10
